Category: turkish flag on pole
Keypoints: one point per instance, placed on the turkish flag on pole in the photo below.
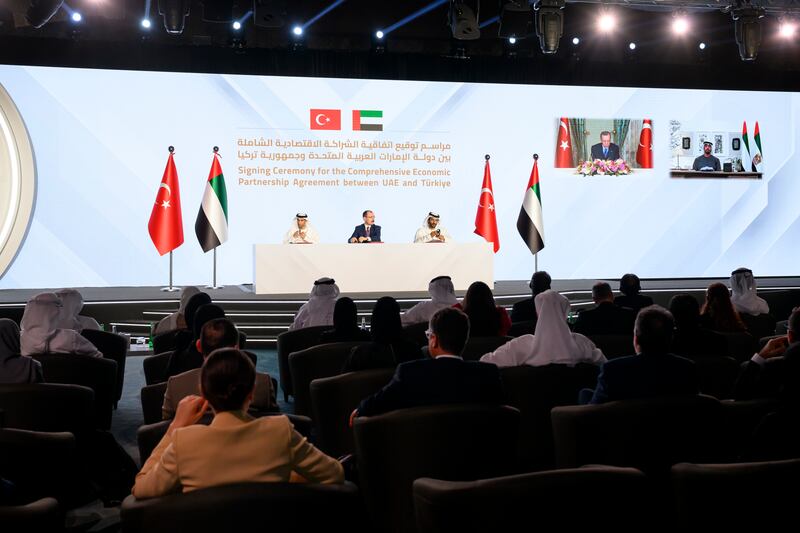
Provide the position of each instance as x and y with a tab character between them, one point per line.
563	145
166	224
644	154
485	219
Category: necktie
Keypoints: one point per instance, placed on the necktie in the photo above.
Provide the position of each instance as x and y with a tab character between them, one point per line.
605	151
367	230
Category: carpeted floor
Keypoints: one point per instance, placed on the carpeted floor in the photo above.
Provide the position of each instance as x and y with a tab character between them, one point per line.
128	416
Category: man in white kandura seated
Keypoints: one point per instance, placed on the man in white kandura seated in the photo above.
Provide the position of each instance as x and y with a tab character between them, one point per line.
318	310
442	295
432	231
301	231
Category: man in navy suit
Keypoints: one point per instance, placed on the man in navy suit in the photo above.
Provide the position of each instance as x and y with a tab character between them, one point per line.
368	231
653	371
444	378
605	149
607	318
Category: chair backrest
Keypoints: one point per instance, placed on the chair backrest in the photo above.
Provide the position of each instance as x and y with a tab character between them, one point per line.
649	434
741	346
114	347
452	442
41	465
526	327
572	498
716	376
614	346
741	419
332	401
535	391
416	333
168	341
313	363
285	507
48	407
478	346
736	497
40	515
294	341
155	368
97	373
152	397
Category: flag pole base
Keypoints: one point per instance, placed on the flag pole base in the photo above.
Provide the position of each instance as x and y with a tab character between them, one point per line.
215	287
170	289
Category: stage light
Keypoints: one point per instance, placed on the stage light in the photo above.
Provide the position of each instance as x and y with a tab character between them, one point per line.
512	40
463	22
632	46
174	13
701	46
297	30
41	11
237	25
576	41
747	30
516	18
607	22
146	24
787	29
680	25
550	24
379	34
76	17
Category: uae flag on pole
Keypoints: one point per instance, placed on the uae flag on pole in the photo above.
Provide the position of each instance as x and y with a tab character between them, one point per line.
747	161
757	157
486	219
563	145
211	226
166	224
529	223
644	154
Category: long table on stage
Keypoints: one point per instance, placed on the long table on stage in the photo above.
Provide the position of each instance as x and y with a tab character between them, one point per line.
377	267
679	173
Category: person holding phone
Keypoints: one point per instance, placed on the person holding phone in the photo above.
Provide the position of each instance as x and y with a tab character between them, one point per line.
431	230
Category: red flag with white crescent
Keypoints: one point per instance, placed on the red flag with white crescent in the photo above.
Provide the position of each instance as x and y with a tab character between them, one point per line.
644	154
486	217
166	223
564	145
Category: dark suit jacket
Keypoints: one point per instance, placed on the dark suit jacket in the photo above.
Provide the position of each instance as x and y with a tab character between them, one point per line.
361	231
523	311
698	342
645	376
436	381
597	151
605	319
634	303
778	378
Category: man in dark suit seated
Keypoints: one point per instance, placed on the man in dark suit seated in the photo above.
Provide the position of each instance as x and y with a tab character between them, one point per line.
774	372
690	340
525	310
652	372
605	149
444	378
630	286
607	318
368	231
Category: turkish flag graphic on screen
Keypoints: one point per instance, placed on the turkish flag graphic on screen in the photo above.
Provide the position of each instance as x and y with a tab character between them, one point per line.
326	119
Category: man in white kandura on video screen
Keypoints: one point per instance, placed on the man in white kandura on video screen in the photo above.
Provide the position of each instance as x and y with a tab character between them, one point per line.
301	231
432	231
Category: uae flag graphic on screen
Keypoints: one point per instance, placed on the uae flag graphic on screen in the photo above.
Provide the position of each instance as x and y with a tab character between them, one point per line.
367	120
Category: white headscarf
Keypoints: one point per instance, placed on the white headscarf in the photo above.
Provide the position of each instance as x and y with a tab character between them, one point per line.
40	331
318	310
72	304
442	295
311	234
553	341
170	322
424	233
744	297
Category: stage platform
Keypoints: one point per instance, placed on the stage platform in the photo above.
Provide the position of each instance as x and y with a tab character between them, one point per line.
132	310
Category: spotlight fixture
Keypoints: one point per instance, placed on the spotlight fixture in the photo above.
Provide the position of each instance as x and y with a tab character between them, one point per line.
512	40
576	41
76	17
787	28
146	24
607	22
701	46
747	26
297	30
550	24
237	25
632	46
41	11
516	18
379	34
680	24
174	13
463	22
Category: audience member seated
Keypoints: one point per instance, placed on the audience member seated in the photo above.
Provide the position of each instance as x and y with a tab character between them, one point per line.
318	310
41	334
216	334
72	304
15	368
653	371
630	286
525	310
345	324
189	357
443	294
774	371
607	318
177	320
744	297
389	346
185	337
444	378
690	340
718	313
485	317
553	342
235	447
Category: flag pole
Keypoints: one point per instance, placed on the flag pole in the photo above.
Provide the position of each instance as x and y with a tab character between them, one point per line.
214	272
170	288
536	255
